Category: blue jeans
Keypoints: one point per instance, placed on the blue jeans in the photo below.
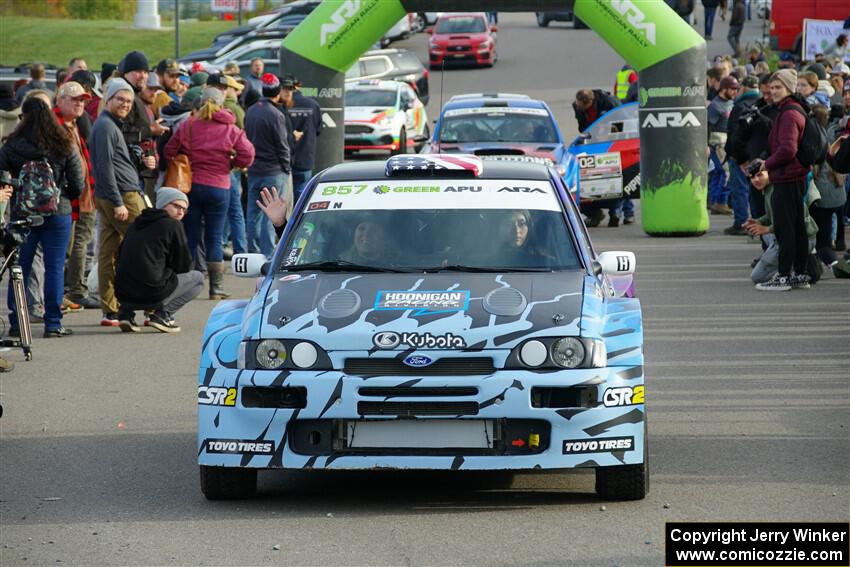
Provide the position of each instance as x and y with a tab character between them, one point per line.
717	191
54	236
260	230
709	20
300	177
234	228
207	213
739	189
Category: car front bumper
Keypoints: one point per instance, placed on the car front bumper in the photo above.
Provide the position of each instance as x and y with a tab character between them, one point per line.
497	423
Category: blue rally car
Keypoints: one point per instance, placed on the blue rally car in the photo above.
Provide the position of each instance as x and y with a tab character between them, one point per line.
428	312
504	127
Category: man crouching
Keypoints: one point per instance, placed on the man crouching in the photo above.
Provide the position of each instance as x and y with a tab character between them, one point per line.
154	266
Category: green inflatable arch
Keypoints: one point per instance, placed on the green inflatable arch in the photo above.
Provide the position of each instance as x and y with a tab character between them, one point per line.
668	54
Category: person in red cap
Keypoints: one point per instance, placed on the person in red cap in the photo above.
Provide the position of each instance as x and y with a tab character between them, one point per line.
718	116
71	99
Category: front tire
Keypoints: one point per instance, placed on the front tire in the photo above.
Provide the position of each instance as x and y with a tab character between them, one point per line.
628	482
226	483
542	21
402	143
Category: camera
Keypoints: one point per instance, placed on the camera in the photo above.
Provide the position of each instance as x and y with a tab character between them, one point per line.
7	179
754	167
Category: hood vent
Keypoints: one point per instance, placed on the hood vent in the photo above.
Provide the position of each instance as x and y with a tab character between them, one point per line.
505	302
339	304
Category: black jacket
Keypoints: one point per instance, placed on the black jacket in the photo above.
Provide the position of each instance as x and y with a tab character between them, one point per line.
307	118
751	139
153	252
743	104
602	101
67	170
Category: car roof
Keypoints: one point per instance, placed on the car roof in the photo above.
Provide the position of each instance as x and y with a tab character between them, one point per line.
495	101
375	170
373	84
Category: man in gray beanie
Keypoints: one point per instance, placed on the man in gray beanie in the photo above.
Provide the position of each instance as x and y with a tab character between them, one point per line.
155	268
788	176
118	195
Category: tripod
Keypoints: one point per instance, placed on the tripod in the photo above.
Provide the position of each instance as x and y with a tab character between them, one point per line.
19	292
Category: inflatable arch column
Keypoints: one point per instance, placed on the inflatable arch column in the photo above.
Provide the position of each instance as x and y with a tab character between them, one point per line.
667	53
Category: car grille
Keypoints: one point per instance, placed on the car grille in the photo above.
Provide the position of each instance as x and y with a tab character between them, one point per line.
458	48
469	366
417	392
411	409
357	129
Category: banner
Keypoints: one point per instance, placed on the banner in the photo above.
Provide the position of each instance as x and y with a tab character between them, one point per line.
819	35
232	5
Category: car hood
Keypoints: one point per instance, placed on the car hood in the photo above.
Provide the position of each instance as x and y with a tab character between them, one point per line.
431	311
508	151
460	37
366	113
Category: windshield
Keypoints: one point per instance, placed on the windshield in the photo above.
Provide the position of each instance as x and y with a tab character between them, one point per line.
497	125
469	24
426	225
362	97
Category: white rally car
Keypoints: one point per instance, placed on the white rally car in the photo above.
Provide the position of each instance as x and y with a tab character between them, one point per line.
384	115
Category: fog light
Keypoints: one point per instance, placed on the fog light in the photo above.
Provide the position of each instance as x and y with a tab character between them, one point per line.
271	354
568	352
533	353
304	355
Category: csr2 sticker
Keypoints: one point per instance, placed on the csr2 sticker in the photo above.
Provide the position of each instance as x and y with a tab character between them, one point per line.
216	396
424	302
239	447
623	396
607	445
389	340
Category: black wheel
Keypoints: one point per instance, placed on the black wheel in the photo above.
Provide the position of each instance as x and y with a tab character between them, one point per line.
426	135
225	483
402	143
578	24
420	23
542	21
628	482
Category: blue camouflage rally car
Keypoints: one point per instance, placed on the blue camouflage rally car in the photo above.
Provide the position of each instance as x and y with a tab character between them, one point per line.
429	312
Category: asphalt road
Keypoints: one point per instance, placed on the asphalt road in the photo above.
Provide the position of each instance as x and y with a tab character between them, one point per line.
748	402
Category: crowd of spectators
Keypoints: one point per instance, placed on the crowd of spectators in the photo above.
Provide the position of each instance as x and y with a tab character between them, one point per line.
761	126
106	142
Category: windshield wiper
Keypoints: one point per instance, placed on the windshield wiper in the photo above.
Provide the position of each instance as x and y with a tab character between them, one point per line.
340	266
480	269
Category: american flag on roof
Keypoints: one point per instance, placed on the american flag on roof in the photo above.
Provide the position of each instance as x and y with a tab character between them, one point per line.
420	162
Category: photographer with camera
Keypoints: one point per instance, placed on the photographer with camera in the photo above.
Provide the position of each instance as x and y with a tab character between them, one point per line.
118	195
738	184
41	154
5	194
140	127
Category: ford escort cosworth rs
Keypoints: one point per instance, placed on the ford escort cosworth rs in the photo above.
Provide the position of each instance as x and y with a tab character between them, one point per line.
428	312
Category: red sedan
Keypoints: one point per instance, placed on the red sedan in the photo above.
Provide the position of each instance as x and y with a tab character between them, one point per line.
462	38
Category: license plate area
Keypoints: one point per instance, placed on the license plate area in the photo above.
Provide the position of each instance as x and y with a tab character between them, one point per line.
420	434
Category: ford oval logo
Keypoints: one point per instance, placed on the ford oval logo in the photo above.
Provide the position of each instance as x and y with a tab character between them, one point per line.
418	361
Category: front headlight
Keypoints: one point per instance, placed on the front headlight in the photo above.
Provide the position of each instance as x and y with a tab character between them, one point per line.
271	354
567	352
384	123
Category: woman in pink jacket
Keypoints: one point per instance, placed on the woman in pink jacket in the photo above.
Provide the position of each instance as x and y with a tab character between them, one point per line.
214	145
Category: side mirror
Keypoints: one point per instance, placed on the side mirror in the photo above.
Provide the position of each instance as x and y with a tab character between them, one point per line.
429	31
494	29
249	265
618	268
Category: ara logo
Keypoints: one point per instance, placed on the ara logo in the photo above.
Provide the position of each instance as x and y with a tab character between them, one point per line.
348	9
521	190
418	361
671	120
635	17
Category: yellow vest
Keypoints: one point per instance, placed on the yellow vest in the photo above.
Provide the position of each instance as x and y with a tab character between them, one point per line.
623	83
